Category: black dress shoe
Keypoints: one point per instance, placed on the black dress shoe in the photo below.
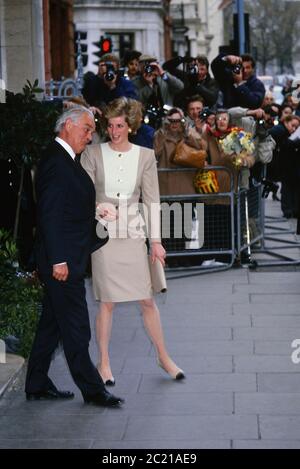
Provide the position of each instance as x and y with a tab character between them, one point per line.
103	399
50	394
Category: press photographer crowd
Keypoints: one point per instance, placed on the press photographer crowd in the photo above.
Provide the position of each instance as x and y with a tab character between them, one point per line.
187	108
183	102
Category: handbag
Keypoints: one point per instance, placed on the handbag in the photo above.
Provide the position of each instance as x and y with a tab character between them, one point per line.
188	156
157	275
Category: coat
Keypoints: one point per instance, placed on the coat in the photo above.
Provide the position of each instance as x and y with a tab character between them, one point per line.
66	226
168	89
164	147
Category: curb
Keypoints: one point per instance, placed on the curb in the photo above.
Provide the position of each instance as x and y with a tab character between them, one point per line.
9	371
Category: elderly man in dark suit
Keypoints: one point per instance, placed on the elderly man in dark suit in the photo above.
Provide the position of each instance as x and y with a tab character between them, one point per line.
65	238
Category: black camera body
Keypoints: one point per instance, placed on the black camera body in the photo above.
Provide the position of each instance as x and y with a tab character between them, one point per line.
148	68
110	73
154	115
192	69
261	129
269	186
236	68
205	113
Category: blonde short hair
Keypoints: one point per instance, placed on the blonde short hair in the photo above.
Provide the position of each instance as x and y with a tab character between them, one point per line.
127	107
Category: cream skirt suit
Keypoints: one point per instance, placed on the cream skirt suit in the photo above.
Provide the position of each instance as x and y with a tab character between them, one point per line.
120	269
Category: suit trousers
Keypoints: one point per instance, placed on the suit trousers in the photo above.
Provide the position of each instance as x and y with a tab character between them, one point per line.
64	318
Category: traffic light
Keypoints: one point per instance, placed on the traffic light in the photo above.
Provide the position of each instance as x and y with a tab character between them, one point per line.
104	47
80	47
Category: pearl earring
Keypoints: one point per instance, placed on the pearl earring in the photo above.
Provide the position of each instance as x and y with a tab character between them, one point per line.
129	130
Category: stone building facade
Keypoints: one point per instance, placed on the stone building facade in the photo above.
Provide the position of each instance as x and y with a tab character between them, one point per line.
143	25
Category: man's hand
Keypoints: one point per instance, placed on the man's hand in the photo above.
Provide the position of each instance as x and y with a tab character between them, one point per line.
158	71
60	272
200	125
256	113
95	110
233	59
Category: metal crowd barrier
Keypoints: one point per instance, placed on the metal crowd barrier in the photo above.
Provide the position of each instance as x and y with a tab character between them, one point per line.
218	251
255	231
250	215
235	231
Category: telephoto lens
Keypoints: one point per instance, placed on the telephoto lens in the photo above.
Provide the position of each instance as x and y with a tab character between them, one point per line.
193	69
110	72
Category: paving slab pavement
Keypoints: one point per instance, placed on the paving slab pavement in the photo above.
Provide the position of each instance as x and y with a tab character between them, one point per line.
231	332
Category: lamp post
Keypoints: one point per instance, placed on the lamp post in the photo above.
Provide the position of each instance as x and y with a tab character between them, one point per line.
241	25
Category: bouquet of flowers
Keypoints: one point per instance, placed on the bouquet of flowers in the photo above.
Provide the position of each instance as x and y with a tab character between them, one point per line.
237	143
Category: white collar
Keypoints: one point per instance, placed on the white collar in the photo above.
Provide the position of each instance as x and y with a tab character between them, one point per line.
66	146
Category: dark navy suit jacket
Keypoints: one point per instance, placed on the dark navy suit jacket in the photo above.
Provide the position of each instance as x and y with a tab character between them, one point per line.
248	95
66	225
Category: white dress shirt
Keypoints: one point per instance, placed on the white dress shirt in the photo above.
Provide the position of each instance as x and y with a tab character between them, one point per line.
66	146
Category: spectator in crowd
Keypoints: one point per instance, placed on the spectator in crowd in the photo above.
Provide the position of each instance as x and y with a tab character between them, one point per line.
131	63
174	131
287	87
194	106
285	110
284	163
144	136
196	78
107	85
268	99
154	86
238	82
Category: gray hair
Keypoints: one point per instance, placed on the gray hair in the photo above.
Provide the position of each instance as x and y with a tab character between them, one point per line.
75	113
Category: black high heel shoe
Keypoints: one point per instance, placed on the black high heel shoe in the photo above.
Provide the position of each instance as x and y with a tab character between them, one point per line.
178	375
109	382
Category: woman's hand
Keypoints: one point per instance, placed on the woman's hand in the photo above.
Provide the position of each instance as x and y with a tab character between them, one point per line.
106	211
158	252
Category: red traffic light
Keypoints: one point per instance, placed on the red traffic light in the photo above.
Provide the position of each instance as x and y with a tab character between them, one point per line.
106	45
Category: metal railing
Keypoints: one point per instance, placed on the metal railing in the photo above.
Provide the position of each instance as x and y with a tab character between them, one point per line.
218	251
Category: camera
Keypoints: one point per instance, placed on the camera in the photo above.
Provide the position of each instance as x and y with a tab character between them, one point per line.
205	113
148	68
236	68
269	186
154	115
110	73
261	129
192	69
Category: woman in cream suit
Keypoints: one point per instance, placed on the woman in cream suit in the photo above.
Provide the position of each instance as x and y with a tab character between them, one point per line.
123	173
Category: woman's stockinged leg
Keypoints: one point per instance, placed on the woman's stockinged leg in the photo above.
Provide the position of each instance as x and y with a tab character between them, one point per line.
103	334
152	322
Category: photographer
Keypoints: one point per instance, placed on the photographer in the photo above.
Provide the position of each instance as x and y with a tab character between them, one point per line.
196	78
285	164
154	86
108	84
238	82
